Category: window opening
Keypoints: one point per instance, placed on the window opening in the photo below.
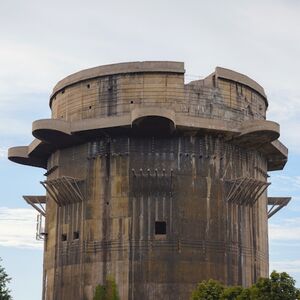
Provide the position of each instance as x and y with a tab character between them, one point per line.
160	227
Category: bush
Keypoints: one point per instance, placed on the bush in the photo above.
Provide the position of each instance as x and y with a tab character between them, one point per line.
108	291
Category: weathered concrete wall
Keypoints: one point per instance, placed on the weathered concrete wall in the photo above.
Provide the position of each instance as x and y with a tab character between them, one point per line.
116	95
120	94
132	182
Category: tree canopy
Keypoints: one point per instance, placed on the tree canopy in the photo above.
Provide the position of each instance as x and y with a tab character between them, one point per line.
4	280
280	286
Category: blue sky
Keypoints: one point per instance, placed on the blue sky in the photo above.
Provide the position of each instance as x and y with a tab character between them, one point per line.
41	42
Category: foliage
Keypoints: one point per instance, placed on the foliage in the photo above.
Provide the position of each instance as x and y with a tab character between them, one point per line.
108	291
280	286
245	294
4	280
231	293
209	290
100	293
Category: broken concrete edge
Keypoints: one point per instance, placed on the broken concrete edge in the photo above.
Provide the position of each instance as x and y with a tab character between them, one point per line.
240	78
234	77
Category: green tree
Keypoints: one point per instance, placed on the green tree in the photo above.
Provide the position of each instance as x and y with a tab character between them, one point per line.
245	294
108	291
4	280
232	292
280	286
208	290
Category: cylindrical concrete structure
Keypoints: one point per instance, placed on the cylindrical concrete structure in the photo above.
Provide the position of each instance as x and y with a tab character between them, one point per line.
154	182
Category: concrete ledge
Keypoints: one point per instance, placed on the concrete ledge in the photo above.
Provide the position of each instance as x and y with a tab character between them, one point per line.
40	149
52	131
20	155
61	132
19	151
35	144
97	123
143	112
280	148
258	125
277	155
51	125
257	132
196	123
55	134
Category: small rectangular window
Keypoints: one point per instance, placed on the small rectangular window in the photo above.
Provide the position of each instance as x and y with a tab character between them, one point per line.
239	90
160	227
214	81
64	237
76	235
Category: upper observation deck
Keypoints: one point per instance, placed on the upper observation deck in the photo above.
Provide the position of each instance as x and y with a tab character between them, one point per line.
151	97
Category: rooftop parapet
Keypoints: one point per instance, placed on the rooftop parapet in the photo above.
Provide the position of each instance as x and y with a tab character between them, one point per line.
120	68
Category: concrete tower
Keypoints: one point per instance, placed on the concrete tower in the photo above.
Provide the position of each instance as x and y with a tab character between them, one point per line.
154	182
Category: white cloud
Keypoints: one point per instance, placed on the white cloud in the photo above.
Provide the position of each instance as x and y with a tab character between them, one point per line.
285	184
28	68
284	108
287	230
289	266
18	227
15	128
18	111
294	205
3	152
